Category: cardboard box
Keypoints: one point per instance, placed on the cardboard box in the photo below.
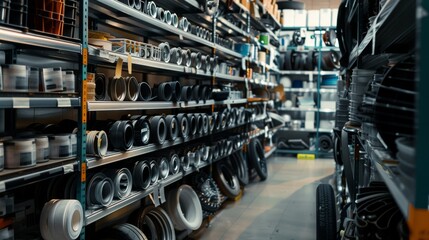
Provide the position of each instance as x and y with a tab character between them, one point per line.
275	9
254	10
313	18
300	18
325	17
334	16
288	18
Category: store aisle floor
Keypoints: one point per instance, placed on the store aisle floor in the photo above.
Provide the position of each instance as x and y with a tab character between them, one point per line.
281	208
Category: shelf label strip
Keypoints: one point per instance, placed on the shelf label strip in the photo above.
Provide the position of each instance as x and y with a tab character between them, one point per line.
21	102
64	102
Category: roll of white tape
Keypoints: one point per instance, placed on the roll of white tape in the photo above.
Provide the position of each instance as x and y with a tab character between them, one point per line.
42	149
61	219
60	146
20	153
1	156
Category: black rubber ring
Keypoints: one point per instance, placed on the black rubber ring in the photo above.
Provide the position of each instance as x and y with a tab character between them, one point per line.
158	129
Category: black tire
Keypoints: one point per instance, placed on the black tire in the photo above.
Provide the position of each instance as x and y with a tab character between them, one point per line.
257	159
337	151
325	213
288	60
309	61
240	166
125	231
287	4
226	180
325	143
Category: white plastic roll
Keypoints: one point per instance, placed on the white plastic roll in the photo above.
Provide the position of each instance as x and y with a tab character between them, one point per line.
1	156
96	143
20	153
42	149
60	146
185	209
61	219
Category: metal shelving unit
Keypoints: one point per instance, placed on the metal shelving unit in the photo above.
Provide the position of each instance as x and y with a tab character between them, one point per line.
113	156
94	215
38	102
118	16
13	178
14	36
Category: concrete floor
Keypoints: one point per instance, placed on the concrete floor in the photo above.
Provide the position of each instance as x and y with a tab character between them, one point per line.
281	208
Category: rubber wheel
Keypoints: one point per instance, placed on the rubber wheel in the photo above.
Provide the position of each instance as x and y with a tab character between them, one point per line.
257	159
226	180
125	231
325	213
337	151
325	143
287	4
240	166
309	61
288	60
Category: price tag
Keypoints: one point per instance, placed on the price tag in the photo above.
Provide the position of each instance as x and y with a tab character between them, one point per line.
180	36
118	69
64	102
130	64
21	102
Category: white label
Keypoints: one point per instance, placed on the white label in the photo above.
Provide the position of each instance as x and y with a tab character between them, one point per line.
180	36
2	186
21	103
64	102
